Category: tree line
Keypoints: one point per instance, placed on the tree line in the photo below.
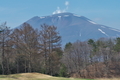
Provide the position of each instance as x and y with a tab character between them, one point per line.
26	49
93	58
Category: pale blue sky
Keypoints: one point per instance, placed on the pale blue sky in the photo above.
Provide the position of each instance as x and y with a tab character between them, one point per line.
15	12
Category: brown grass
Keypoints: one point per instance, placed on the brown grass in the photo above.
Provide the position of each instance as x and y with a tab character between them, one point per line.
39	76
33	76
108	79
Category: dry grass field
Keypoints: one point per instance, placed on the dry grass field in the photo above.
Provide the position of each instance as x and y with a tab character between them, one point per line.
38	76
108	79
34	76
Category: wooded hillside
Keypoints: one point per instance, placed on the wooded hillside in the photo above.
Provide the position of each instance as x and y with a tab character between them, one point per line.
26	49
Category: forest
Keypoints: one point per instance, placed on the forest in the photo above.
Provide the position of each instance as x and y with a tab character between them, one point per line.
25	49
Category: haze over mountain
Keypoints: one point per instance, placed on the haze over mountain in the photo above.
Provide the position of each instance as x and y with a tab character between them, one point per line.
74	27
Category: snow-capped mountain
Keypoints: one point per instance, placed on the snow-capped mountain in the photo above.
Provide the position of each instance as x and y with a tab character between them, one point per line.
73	27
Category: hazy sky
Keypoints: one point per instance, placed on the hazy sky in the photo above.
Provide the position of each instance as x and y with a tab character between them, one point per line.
15	12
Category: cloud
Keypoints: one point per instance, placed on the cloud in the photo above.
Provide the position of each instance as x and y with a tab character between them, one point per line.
58	11
66	3
61	11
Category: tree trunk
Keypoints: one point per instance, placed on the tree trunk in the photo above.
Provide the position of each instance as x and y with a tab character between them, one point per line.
3	57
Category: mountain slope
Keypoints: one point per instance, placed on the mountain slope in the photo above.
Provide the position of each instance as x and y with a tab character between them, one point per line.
73	27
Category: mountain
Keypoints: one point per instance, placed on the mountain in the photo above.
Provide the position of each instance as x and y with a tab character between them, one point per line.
73	27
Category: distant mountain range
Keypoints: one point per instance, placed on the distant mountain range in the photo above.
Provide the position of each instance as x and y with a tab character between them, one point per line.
74	27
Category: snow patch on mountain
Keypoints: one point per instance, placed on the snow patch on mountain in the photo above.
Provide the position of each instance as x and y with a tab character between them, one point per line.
102	31
59	17
114	29
66	15
77	15
42	17
103	26
92	22
80	35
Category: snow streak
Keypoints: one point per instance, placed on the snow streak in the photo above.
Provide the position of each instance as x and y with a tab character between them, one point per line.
102	32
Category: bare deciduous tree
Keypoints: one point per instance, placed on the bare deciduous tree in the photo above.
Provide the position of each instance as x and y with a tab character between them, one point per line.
49	40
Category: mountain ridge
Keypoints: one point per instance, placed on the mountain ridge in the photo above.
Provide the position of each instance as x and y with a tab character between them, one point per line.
73	27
